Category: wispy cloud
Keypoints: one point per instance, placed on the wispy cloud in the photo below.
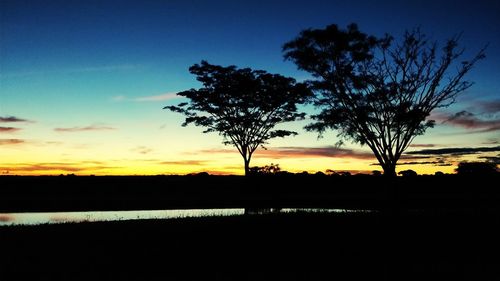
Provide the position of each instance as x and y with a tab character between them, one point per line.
492	159
8	119
161	97
9	129
142	149
470	121
305	152
50	167
119	98
435	163
84	129
491	141
422	145
487	107
456	151
11	141
184	162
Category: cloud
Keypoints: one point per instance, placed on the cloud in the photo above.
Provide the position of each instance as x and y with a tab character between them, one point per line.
119	98
7	119
435	163
41	167
184	162
11	141
9	129
423	145
492	159
487	107
161	97
469	121
491	141
48	167
455	150
305	152
53	143
142	149
85	129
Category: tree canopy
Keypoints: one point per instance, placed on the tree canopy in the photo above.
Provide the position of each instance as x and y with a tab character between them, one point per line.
375	91
477	168
242	105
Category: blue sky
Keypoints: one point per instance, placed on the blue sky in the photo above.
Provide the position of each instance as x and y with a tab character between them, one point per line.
110	66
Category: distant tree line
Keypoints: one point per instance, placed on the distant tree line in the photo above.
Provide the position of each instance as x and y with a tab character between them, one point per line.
377	92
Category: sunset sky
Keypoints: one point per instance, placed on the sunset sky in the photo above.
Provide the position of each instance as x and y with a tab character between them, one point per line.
83	83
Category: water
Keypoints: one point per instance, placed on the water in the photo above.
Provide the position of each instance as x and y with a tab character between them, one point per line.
65	217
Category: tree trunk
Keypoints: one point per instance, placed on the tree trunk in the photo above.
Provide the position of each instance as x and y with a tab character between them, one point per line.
389	170
247	166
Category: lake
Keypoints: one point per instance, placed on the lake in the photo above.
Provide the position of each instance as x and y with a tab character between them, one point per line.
65	217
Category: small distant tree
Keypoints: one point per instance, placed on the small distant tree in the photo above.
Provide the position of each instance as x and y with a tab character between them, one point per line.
376	92
271	169
242	105
477	168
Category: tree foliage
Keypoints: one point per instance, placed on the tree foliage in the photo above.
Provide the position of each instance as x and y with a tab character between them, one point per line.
477	168
242	105
374	91
271	169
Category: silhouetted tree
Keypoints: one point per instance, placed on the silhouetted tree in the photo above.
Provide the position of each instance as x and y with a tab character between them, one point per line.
242	105
375	92
271	169
476	168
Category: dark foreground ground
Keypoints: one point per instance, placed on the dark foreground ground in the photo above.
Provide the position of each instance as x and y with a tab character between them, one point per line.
261	247
423	229
77	193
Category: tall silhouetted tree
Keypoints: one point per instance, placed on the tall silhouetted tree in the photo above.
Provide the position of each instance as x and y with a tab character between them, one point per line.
376	92
242	105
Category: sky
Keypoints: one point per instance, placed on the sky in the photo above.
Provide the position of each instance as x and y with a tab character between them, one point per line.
83	83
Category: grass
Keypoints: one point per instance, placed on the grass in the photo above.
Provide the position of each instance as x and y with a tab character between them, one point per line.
443	228
285	246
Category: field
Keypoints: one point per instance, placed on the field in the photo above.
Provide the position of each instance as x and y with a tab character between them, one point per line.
421	228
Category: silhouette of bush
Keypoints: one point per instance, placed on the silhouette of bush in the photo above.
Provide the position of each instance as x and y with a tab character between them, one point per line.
477	168
272	169
408	173
200	174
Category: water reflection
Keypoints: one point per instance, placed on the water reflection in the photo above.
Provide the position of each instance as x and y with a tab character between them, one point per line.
65	217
